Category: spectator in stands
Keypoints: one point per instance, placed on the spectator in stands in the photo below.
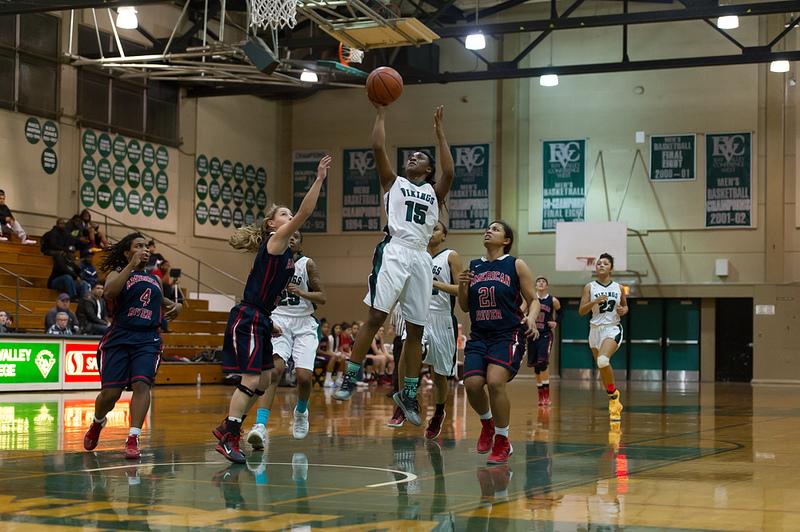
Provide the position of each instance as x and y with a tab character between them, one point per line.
62	305
4	319
61	326
346	339
337	336
57	239
326	350
92	313
9	224
92	231
74	228
379	359
156	258
88	273
65	275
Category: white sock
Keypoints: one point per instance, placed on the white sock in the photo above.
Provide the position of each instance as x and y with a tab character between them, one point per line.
545	382
98	420
135	431
501	431
487	415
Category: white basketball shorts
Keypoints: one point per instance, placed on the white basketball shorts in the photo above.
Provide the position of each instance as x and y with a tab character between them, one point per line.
298	341
597	334
439	339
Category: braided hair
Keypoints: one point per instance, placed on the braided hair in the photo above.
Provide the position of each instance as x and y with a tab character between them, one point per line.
115	256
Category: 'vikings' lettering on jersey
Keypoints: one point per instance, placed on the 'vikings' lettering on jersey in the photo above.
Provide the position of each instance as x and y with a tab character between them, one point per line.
605	313
292	304
441	301
268	278
138	305
411	211
494	297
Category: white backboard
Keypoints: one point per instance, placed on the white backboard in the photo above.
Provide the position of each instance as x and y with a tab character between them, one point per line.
590	239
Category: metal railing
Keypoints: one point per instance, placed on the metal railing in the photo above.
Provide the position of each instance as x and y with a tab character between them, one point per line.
198	262
17	278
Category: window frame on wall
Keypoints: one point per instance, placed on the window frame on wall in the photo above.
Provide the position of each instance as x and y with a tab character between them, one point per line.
22	53
150	93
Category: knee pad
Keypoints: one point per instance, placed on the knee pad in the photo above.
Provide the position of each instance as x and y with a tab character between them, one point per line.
603	361
245	390
259	392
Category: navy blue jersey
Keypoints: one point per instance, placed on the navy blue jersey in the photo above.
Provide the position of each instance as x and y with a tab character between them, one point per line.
546	313
268	278
494	297
138	305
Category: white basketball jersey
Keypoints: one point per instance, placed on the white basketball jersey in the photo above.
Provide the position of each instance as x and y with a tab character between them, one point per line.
605	313
441	301
292	304
411	212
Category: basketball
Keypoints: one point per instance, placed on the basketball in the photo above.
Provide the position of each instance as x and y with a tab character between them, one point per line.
384	85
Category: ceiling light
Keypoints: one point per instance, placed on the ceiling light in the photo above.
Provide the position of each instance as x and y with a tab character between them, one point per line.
127	19
309	76
475	41
548	80
781	65
728	22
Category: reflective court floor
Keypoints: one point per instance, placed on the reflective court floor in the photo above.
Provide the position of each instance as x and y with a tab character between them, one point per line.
710	457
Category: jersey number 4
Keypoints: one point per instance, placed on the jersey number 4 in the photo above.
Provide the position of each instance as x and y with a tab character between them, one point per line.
145	298
416	212
607	305
486	297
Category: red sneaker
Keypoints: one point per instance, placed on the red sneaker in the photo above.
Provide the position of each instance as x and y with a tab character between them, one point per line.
228	447
398	418
221	429
92	436
546	397
132	448
500	451
487	436
435	426
540	390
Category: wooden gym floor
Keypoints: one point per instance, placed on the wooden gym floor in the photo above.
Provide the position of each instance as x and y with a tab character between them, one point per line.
710	457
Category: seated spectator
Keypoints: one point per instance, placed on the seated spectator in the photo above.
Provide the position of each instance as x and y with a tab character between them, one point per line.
9	224
92	313
325	350
57	239
61	326
62	305
74	228
346	339
379	359
65	275
156	258
5	322
88	273
92	231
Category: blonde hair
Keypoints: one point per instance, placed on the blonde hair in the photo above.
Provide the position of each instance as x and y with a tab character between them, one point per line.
250	237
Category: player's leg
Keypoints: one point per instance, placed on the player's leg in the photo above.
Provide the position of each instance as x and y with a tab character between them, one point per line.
440	337
411	361
542	368
475	382
608	347
375	319
496	379
304	352
103	404
145	358
257	437
114	367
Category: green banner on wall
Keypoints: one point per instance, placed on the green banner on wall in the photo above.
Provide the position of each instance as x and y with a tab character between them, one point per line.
729	184
361	192
29	362
672	157
469	195
563	182
304	172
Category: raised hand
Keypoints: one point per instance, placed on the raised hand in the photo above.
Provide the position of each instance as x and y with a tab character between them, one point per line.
322	168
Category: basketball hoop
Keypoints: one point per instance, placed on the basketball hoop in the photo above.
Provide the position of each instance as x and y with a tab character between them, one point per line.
274	14
588	260
349	55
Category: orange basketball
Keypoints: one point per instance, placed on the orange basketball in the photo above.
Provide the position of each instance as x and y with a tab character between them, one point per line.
384	85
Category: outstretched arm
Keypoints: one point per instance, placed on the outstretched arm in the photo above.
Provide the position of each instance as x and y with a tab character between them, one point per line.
280	240
385	171
445	157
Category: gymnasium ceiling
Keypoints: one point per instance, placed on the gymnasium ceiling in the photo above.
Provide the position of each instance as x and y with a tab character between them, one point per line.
226	69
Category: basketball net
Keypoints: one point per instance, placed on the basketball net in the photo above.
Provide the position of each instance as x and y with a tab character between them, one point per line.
273	14
349	55
589	262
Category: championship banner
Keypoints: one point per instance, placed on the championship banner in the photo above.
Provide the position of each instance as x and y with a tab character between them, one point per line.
672	158
468	201
304	173
563	182
361	192
729	183
404	153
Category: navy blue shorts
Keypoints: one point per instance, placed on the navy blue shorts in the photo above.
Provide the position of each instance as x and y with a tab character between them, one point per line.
539	350
126	356
247	347
503	348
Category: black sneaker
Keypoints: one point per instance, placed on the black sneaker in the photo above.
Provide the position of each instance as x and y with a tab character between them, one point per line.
346	389
228	447
409	406
221	429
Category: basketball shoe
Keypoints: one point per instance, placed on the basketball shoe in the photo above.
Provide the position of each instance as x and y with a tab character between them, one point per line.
410	407
486	439
501	450
435	426
92	436
398	418
132	451
257	437
614	406
300	428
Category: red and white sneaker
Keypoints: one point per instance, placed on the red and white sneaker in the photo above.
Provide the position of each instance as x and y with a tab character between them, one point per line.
546	397
398	418
486	439
540	391
500	451
435	426
92	436
228	447
132	448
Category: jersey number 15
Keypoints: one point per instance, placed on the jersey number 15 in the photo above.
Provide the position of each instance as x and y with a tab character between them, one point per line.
416	212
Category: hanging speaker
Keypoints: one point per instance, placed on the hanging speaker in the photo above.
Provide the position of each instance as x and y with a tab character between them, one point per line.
260	55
